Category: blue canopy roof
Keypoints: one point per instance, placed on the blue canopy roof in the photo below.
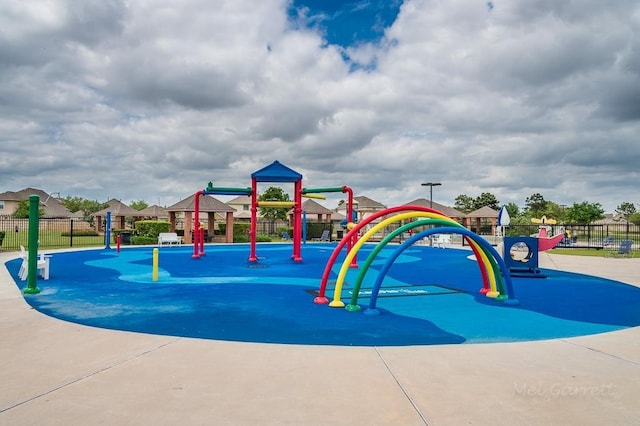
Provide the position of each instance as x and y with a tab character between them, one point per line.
276	172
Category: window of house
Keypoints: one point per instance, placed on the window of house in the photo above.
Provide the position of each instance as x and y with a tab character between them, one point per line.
1	205
245	207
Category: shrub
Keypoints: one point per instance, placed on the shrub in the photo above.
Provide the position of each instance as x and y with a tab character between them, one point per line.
138	241
151	228
240	238
262	238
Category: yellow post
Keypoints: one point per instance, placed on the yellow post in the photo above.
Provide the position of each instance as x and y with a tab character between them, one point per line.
155	265
317	196
276	203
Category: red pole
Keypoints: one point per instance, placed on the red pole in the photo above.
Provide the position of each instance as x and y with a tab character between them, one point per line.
196	224
297	221
201	237
254	219
118	243
354	239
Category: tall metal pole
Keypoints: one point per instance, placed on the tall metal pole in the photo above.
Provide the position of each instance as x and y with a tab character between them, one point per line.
431	185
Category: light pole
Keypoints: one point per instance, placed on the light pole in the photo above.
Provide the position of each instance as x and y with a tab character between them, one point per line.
431	185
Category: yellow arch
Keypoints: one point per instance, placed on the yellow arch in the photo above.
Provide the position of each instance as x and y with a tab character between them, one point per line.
493	292
337	293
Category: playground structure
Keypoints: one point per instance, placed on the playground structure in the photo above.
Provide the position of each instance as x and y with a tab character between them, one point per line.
521	253
495	274
276	172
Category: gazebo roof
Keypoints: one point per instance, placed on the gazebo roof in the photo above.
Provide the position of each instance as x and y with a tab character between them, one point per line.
207	204
447	211
154	211
276	172
117	208
485	211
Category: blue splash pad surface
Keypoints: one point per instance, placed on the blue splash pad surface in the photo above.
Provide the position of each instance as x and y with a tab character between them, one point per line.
430	296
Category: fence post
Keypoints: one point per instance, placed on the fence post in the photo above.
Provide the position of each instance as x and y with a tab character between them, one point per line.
71	234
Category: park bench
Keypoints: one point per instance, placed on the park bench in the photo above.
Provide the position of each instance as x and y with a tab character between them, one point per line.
169	238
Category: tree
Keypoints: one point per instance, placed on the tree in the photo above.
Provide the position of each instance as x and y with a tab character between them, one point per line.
464	203
634	218
87	207
274	213
512	209
535	204
73	204
138	205
554	211
626	209
486	199
584	212
22	212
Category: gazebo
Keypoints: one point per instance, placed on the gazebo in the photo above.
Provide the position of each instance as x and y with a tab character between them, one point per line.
119	211
209	205
454	214
155	212
484	216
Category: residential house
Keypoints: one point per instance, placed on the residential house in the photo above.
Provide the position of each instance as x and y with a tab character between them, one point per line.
52	207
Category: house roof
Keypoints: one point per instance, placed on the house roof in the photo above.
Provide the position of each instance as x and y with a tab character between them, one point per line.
207	203
312	207
611	219
51	205
485	211
366	203
118	208
241	199
276	172
447	211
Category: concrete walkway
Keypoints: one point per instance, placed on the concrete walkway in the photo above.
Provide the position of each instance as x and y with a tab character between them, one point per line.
59	373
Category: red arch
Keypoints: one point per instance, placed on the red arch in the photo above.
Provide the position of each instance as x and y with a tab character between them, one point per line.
322	298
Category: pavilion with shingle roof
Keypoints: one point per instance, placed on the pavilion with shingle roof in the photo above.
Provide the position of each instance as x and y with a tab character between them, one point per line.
155	212
454	214
207	204
484	215
119	211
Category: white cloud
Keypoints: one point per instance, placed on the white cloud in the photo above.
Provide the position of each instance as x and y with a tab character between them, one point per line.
148	99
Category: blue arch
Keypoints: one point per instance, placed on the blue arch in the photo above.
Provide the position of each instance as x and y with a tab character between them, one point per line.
511	299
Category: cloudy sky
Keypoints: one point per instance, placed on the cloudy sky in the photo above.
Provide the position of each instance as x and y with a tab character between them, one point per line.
151	99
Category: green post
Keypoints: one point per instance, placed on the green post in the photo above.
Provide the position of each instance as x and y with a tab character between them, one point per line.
319	190
32	265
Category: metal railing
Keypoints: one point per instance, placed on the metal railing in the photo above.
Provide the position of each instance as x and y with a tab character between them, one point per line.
52	233
63	233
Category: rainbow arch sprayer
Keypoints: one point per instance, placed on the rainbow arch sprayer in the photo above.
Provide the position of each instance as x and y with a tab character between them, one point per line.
496	279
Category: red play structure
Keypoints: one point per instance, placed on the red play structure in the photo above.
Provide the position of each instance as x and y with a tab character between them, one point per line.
276	172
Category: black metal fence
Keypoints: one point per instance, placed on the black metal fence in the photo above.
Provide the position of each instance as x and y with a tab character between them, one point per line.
52	233
576	235
583	236
66	232
63	233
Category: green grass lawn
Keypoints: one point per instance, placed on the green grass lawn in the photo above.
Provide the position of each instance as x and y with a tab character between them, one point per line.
590	252
49	240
